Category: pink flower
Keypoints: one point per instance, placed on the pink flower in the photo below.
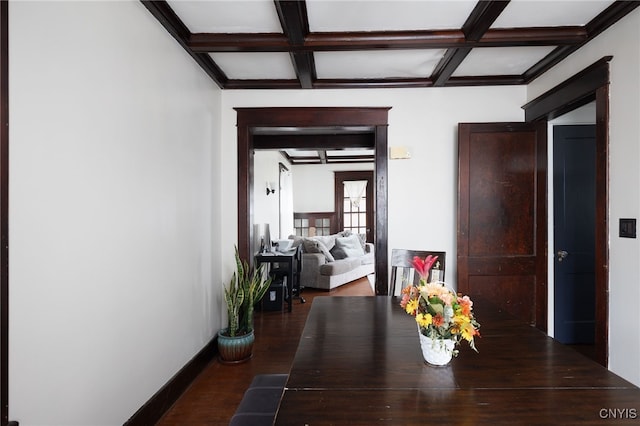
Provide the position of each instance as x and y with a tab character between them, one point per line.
424	266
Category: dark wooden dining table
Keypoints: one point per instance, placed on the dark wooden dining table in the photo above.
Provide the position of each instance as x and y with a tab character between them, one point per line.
359	363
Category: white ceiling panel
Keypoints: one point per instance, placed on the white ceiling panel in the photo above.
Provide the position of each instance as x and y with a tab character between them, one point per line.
376	15
501	60
301	153
228	16
377	63
248	66
547	13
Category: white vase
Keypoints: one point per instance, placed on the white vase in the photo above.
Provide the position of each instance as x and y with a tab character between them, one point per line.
436	351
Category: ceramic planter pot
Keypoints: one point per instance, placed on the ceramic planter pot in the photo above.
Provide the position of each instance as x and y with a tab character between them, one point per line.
235	350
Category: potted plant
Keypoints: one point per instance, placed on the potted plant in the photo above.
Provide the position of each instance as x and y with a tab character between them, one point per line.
246	288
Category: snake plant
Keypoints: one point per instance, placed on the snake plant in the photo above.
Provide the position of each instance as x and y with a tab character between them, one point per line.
246	288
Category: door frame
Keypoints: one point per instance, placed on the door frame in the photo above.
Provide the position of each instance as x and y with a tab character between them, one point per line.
588	85
339	179
4	212
375	119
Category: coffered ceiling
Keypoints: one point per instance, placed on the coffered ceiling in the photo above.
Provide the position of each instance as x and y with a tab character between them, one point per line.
350	44
316	44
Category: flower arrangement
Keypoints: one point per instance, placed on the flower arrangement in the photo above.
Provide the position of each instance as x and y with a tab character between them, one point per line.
439	312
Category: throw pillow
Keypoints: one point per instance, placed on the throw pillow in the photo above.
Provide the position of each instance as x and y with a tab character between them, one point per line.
311	245
350	245
362	237
338	253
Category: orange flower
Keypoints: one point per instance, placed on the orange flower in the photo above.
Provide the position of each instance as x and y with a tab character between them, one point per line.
465	304
437	320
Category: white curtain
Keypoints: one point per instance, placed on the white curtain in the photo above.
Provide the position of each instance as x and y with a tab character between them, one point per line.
355	190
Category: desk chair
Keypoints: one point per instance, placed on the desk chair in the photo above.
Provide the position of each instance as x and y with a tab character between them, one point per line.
402	270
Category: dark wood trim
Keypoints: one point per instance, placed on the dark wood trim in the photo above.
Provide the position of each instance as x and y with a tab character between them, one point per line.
4	212
295	22
448	64
597	25
602	225
174	26
609	16
161	401
374	40
318	117
590	84
570	94
381	241
304	141
541	209
480	20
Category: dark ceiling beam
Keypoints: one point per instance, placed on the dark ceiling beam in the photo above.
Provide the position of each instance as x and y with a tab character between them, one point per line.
262	84
174	25
485	80
476	25
337	83
312	142
597	25
295	23
533	36
372	40
378	83
239	42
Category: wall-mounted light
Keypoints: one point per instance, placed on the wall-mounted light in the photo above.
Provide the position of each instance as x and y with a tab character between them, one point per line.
270	188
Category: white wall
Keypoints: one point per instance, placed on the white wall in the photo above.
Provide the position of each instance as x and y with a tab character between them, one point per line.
267	207
424	120
623	42
314	185
114	281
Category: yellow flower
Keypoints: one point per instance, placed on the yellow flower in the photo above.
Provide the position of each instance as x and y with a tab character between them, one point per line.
423	320
468	331
411	307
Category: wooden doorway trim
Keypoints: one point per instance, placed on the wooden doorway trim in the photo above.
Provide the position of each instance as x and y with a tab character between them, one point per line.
339	179
588	85
4	212
249	120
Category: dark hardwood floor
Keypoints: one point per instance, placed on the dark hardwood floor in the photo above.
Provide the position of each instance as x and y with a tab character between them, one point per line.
213	397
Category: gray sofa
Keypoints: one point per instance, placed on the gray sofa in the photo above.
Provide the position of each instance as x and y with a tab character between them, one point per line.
333	260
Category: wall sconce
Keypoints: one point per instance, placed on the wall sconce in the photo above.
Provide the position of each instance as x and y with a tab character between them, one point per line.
270	188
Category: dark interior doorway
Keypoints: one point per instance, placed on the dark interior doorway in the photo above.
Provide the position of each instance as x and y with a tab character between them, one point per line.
589	85
574	194
255	121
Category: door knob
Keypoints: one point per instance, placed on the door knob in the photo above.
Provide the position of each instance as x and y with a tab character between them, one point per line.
562	255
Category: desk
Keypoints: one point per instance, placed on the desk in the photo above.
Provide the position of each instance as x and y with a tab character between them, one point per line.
291	262
359	363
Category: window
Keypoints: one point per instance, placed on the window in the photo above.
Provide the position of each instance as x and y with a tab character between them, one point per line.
354	208
312	224
354	202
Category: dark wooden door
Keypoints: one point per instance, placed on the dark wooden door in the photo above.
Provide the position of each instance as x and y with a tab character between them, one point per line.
502	219
574	195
